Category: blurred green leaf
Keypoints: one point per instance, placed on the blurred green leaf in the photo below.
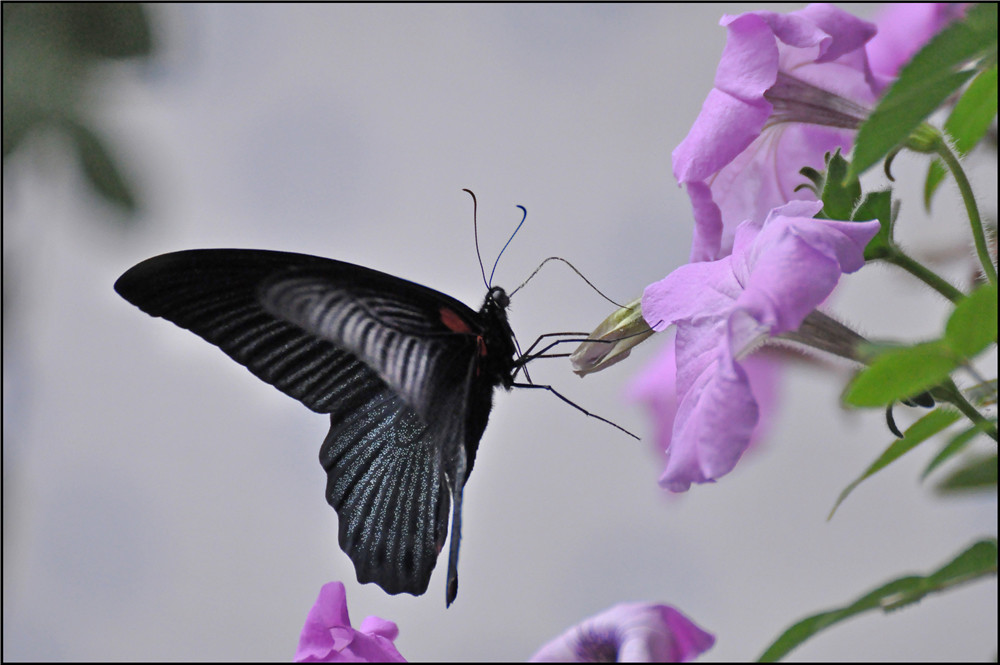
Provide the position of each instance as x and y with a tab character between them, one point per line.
968	123
978	473
956	445
110	29
915	434
976	562
934	73
100	169
897	374
50	51
973	325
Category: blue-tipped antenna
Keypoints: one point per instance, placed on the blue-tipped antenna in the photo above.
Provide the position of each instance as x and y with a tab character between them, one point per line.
525	211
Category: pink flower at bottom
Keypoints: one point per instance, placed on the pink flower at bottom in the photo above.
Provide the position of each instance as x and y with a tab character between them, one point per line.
630	632
328	636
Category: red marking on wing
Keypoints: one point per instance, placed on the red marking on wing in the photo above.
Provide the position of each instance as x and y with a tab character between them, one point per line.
453	321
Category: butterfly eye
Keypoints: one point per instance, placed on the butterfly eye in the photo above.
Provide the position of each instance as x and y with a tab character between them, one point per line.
500	297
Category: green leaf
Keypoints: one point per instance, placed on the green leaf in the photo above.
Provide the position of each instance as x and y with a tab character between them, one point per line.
895	374
840	194
976	562
877	205
915	434
899	373
973	325
956	445
967	125
934	73
100	169
976	474
109	29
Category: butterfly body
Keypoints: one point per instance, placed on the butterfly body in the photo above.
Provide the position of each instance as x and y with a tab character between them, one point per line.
406	373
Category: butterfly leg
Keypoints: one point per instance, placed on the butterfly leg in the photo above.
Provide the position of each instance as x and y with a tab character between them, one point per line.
575	406
581	335
526	357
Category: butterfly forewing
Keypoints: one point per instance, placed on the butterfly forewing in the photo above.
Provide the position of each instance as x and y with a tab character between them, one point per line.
213	293
405	372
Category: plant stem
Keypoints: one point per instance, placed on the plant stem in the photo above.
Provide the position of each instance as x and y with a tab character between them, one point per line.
949	392
978	233
899	258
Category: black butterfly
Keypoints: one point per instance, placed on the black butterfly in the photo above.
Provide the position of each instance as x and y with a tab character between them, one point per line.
406	373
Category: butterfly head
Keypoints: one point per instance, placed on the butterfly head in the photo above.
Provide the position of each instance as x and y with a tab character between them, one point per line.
498	350
497	298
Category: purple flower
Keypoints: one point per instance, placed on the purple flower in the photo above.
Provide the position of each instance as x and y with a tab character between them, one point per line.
903	28
629	632
328	637
656	387
789	88
780	269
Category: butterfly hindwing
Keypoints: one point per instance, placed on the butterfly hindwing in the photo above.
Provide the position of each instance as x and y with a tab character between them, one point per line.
386	480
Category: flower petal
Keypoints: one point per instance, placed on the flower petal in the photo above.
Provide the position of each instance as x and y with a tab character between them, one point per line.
903	28
656	387
695	289
630	632
380	627
738	161
715	417
780	270
320	634
327	635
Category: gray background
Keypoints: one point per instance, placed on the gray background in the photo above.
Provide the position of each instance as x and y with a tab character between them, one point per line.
161	503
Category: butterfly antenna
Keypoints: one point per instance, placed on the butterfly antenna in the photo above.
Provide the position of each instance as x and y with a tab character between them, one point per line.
524	217
475	233
580	274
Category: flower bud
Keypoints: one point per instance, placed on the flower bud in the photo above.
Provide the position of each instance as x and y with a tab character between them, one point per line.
612	340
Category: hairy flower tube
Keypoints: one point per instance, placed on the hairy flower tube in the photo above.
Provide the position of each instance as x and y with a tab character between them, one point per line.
328	636
629	632
789	88
780	270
